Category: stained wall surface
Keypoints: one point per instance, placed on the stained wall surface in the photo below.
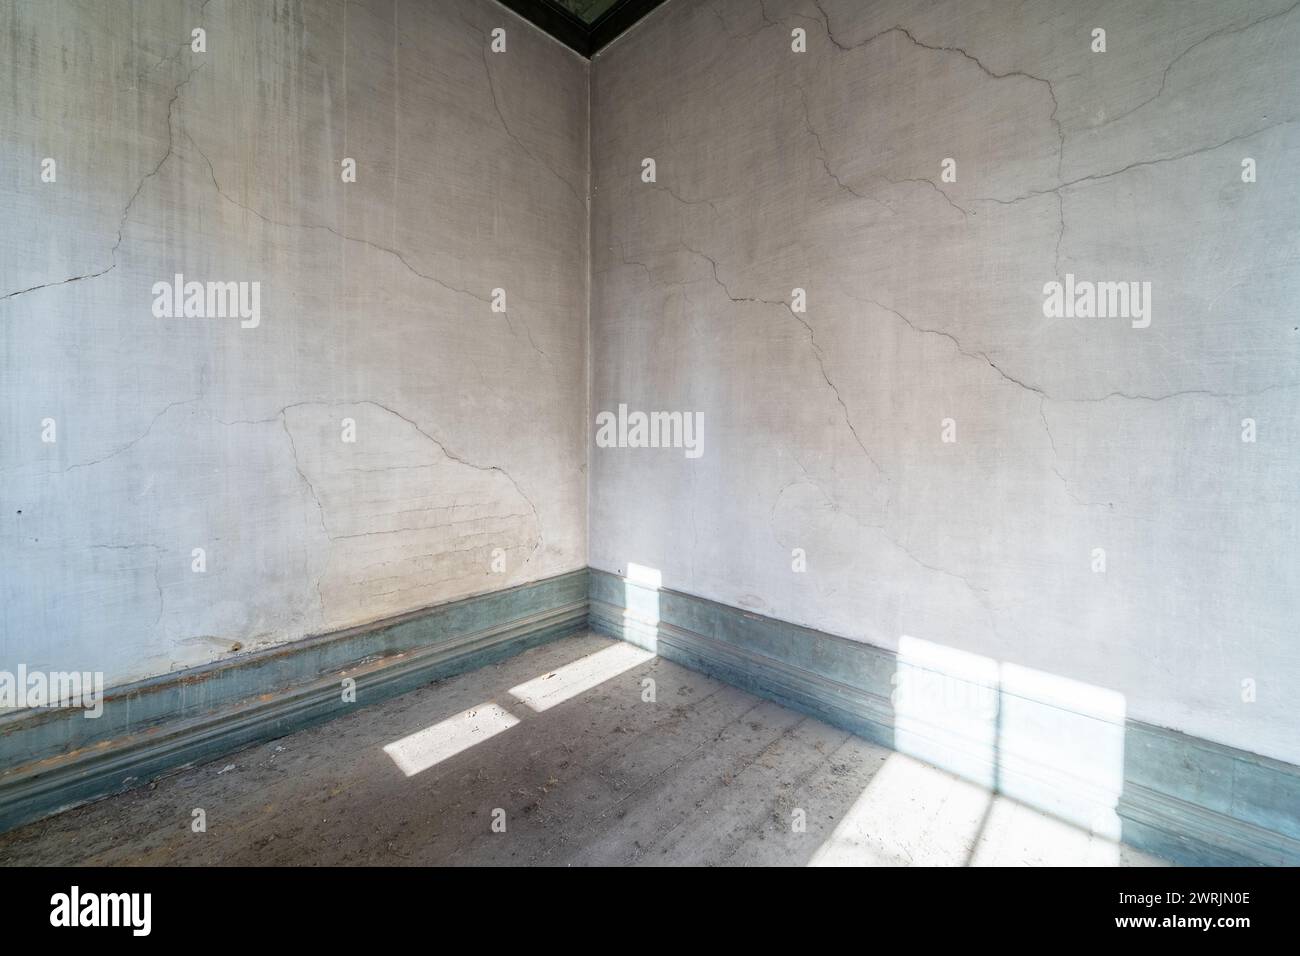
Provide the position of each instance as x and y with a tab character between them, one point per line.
1098	514
375	321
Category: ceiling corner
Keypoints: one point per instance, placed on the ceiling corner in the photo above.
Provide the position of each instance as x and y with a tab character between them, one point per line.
583	25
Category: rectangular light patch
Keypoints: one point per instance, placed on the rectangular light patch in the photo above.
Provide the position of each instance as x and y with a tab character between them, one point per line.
426	748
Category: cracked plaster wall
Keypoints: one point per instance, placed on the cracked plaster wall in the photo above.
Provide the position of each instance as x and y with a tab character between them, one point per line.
818	170
175	434
821	170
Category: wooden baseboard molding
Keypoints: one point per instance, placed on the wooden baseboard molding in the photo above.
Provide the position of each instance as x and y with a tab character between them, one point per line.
1051	743
1047	743
56	759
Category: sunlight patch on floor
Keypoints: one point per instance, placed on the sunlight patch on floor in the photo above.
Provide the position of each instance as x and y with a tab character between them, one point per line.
564	683
432	745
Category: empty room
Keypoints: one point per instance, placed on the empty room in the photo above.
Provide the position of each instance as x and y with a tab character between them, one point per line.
609	433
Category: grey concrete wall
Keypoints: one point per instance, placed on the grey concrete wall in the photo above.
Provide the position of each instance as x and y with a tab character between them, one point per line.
823	429
180	433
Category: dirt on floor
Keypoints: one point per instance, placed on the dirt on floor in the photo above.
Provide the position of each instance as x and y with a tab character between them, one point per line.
582	751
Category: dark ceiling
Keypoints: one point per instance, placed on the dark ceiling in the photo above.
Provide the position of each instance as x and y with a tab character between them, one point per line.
584	25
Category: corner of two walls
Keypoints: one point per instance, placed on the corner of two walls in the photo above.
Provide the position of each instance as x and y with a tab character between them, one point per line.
380	435
824	428
913	453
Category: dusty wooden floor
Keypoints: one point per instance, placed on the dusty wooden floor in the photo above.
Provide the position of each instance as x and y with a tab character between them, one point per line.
586	772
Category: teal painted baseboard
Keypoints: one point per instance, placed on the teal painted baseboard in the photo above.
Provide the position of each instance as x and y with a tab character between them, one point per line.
1044	742
51	760
1054	744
